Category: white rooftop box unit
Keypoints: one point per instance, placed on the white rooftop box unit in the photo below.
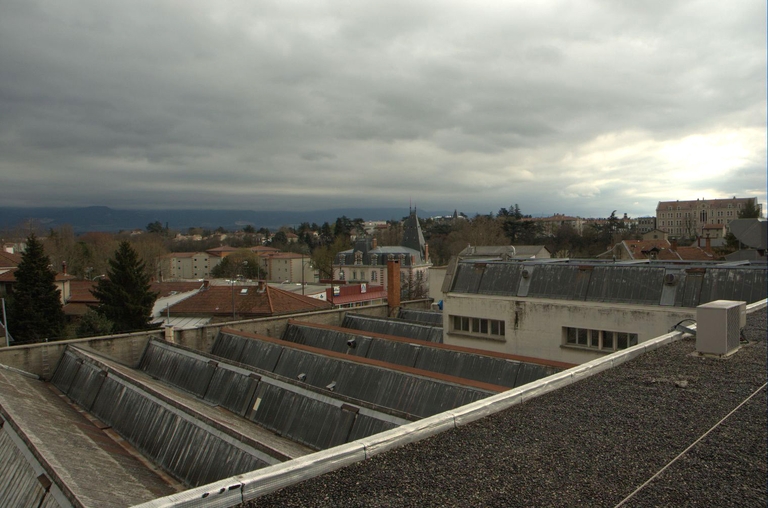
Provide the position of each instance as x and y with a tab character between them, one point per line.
718	326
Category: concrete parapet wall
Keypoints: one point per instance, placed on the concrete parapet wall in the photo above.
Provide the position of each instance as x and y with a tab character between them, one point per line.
41	358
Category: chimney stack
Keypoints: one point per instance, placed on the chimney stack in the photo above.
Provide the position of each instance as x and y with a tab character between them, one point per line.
708	246
426	253
64	267
393	285
674	245
374	243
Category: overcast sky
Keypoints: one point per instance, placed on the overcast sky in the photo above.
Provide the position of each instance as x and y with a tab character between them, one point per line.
573	107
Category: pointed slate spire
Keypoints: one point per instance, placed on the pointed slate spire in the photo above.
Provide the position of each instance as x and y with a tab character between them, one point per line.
413	238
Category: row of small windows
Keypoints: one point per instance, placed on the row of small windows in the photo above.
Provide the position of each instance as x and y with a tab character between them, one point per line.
478	326
720	213
603	340
374	275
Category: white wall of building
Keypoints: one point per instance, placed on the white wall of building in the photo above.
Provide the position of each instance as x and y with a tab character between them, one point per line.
535	327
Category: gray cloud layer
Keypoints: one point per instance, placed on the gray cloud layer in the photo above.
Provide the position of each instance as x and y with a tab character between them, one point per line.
569	107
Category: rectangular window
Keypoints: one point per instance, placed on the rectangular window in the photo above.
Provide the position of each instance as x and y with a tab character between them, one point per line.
599	340
607	340
480	327
461	323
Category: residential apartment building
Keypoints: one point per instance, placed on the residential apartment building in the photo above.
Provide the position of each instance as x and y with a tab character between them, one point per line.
550	225
198	265
187	265
289	267
689	218
646	224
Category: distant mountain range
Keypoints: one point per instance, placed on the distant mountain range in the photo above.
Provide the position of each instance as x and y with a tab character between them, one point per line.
103	218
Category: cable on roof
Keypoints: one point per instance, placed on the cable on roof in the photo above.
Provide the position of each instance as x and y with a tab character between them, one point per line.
649	480
680	328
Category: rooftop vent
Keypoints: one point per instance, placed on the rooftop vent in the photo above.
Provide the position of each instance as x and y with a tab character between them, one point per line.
719	326
670	279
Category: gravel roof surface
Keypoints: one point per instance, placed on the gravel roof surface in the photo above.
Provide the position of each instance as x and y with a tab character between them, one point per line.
588	444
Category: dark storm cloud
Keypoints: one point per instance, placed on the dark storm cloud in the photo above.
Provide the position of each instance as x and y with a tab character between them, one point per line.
576	108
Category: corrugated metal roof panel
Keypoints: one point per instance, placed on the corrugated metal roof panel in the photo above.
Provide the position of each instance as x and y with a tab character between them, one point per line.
500	279
366	426
733	284
462	364
232	389
626	284
428	317
317	370
395	327
321	425
565	282
179	443
181	370
467	278
19	486
690	292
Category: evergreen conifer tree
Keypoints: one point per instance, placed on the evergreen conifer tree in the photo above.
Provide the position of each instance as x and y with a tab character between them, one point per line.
36	309
124	295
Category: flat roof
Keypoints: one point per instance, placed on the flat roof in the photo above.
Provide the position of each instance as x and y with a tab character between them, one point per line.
680	428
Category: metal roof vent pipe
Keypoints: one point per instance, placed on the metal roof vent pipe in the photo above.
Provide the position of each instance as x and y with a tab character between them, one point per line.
718	327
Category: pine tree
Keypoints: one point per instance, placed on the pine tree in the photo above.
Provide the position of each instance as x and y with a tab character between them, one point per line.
36	308
124	295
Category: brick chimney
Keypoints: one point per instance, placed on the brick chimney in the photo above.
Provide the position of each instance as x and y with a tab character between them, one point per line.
393	285
674	245
374	243
64	267
708	245
426	253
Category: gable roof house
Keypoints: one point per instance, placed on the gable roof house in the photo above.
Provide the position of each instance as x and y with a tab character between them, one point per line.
244	301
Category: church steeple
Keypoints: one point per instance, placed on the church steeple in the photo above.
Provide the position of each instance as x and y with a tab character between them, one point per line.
413	238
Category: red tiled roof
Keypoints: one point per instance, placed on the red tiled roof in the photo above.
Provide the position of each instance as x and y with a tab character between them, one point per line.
362	297
8	260
640	249
8	276
217	301
80	292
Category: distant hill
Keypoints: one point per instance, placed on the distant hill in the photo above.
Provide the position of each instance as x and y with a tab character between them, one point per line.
103	218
